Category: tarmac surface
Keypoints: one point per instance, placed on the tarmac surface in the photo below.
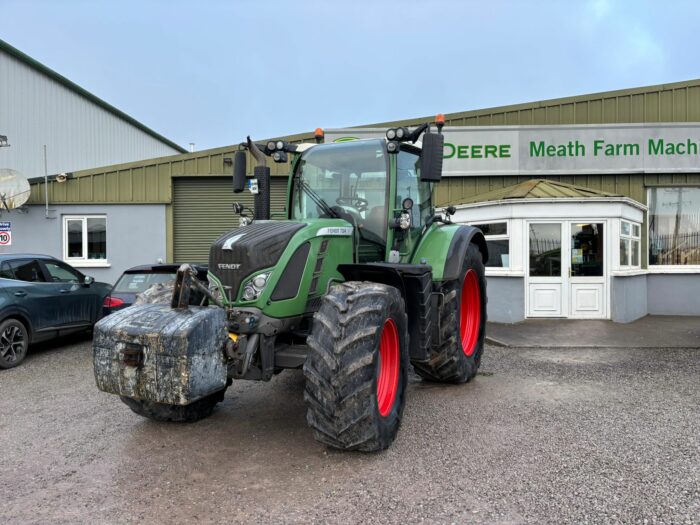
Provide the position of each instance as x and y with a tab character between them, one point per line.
540	436
652	331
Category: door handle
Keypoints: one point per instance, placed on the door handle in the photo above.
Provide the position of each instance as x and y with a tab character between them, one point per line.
20	293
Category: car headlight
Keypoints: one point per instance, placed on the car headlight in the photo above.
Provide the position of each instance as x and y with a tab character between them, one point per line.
255	287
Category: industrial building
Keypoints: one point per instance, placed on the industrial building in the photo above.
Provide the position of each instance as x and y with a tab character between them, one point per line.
590	204
49	126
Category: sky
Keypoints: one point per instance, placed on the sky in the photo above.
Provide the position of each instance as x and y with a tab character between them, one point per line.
212	72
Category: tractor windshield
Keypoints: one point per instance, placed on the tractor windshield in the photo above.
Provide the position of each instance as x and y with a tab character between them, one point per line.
347	180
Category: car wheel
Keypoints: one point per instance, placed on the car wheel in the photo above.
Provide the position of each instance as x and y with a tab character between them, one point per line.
14	341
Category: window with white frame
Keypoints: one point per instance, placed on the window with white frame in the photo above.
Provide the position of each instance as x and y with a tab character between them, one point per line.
85	239
630	233
498	241
674	226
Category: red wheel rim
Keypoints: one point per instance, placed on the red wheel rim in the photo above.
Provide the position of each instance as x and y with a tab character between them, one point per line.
470	313
389	365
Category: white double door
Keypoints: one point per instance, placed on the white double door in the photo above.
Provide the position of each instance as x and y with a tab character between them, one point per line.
567	269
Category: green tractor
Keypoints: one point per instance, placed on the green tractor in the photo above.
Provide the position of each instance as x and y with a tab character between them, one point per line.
361	281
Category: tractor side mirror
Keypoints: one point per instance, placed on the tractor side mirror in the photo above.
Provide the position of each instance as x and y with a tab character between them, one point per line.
239	171
431	157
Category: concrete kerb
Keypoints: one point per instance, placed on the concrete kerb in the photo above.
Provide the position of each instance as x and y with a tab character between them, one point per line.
656	332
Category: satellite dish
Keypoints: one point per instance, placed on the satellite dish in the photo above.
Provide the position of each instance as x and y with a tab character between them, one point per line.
14	189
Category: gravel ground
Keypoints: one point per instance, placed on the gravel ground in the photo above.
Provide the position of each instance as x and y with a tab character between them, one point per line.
545	436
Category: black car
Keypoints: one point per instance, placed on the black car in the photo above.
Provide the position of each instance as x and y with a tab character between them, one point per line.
42	298
139	278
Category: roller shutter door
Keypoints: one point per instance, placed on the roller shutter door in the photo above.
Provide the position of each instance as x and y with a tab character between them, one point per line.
202	212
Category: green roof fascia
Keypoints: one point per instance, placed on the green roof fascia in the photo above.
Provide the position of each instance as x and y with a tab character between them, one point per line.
22	57
539	104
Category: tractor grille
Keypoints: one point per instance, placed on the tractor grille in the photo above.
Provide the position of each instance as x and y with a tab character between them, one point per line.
240	252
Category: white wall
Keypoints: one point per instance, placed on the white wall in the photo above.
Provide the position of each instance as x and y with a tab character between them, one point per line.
135	235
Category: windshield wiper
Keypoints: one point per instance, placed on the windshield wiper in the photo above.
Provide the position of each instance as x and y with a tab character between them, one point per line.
317	199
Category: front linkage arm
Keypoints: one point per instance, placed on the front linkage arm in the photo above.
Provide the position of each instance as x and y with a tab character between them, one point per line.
185	281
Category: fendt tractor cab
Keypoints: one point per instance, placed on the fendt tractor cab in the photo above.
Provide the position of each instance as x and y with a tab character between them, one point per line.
360	281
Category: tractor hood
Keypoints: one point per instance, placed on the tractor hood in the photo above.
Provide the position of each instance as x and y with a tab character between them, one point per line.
240	252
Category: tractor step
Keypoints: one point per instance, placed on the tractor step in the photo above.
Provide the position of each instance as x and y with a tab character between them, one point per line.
291	356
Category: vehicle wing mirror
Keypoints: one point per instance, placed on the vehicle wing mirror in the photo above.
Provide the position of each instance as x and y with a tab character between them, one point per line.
239	171
431	157
88	280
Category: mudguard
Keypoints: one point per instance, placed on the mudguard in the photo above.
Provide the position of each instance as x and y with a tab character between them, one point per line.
444	246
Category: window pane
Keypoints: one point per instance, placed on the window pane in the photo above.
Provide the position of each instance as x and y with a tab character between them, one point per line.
75	238
498	253
635	230
409	186
624	252
635	253
97	238
625	228
545	250
674	226
61	274
138	282
587	250
5	272
494	228
27	271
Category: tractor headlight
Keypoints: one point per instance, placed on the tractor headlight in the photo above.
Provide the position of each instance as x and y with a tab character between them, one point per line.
270	146
279	156
401	133
404	221
391	134
260	281
280	144
254	287
392	146
249	292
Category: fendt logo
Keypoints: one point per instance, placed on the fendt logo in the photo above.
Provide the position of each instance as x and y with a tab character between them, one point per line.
229	266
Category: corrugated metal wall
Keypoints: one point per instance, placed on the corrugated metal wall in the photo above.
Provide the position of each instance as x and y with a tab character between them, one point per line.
677	102
202	212
37	110
152	181
142	181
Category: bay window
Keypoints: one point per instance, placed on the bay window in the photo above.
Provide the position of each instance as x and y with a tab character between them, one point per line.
630	242
498	243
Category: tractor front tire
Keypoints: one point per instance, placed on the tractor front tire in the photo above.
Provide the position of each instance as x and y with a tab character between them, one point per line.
357	368
176	413
457	356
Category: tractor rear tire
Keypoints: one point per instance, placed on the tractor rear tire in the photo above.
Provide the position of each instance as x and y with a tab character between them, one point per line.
457	357
357	368
175	413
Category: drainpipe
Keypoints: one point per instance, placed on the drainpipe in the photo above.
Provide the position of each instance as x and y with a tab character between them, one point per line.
46	183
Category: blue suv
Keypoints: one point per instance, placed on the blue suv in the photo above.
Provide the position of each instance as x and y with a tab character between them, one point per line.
42	298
